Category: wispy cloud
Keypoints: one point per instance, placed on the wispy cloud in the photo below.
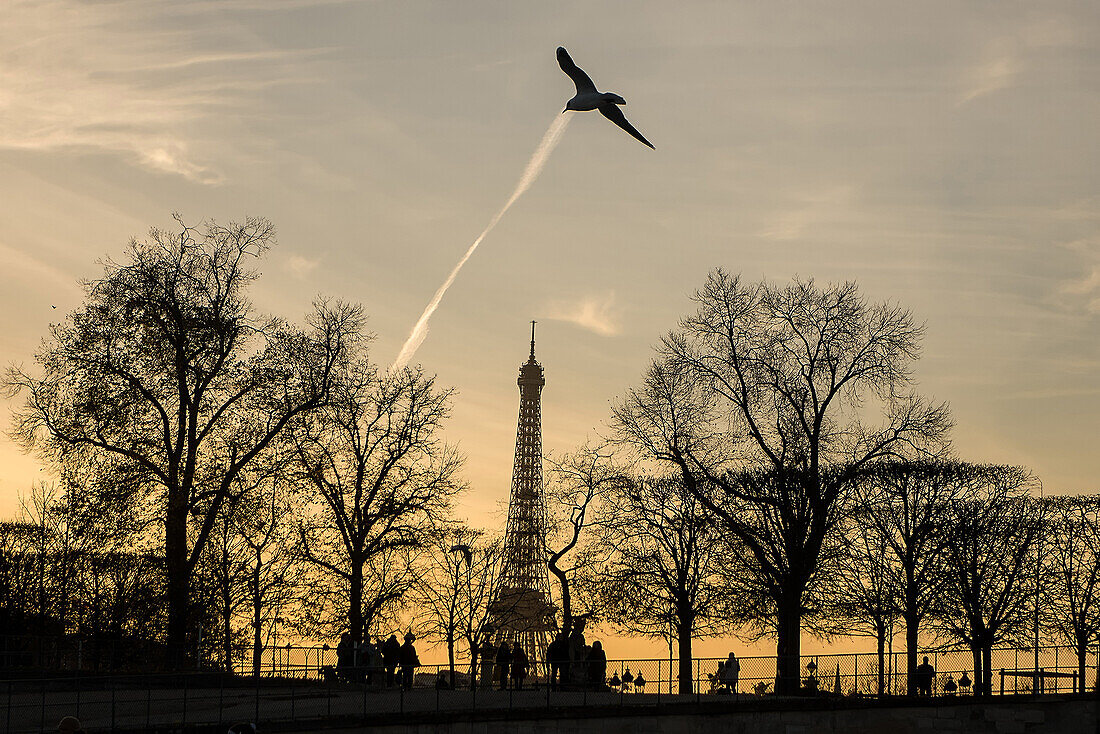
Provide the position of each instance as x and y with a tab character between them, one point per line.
996	71
300	266
116	77
1005	58
594	313
808	210
1085	289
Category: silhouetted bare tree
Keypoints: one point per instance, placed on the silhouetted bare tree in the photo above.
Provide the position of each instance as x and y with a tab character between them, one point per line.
167	371
252	561
663	565
906	506
578	483
864	600
225	568
991	557
380	483
457	580
1072	570
761	401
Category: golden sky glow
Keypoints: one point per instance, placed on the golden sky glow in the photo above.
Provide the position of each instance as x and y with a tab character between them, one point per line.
942	154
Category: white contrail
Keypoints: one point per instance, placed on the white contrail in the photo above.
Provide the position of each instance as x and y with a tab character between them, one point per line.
534	168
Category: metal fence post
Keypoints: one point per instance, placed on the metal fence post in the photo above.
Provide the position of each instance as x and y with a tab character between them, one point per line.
42	710
112	684
148	704
184	714
7	718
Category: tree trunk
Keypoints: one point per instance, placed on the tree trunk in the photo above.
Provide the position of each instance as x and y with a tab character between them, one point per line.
686	678
451	656
355	602
976	652
227	629
257	622
788	649
178	582
473	645
911	637
987	669
1082	653
881	663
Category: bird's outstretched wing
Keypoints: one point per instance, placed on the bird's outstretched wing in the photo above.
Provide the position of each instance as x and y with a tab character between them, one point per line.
582	80
616	115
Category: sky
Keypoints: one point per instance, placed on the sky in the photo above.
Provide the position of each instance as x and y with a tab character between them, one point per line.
943	155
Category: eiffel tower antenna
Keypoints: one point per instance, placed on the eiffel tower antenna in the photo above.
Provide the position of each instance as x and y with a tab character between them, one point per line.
522	612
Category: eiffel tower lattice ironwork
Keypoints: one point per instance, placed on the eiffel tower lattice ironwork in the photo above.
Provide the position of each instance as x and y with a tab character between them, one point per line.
522	611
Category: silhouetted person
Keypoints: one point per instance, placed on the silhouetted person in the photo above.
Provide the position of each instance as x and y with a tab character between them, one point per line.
441	683
375	665
391	656
925	674
488	654
557	653
409	661
519	666
578	654
597	665
362	659
731	672
504	660
345	655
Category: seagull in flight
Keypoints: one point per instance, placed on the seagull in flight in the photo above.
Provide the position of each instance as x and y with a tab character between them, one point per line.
589	98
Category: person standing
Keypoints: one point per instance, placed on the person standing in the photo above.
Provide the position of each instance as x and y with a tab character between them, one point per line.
597	666
731	672
557	653
519	666
376	667
409	661
504	660
362	660
925	674
345	656
488	654
391	656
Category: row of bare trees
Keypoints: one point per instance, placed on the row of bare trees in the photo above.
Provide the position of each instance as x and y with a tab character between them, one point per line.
774	473
266	465
778	475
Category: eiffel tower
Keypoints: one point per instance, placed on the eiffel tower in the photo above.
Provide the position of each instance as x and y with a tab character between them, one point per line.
522	611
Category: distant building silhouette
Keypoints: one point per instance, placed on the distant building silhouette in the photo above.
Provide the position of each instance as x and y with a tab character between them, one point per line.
522	613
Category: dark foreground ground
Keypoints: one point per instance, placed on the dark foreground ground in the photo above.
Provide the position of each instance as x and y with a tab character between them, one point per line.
339	710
